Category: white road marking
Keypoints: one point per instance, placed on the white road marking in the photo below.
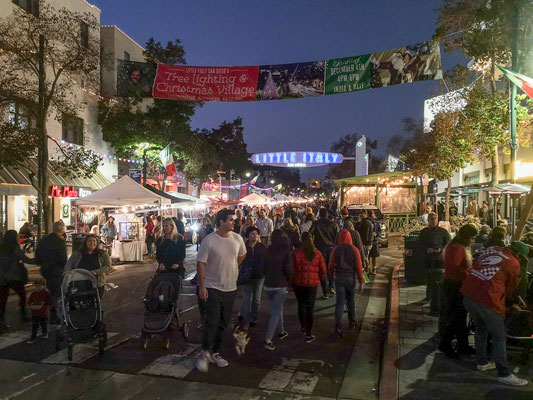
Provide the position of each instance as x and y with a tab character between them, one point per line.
302	382
12	338
84	351
175	365
27	377
276	380
13	395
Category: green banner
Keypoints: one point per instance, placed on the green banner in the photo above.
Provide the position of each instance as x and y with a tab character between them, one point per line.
347	74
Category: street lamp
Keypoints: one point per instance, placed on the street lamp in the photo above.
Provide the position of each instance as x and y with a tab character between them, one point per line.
247	174
272	181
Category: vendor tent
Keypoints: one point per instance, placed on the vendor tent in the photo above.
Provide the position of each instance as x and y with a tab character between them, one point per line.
166	195
281	198
255	198
186	197
124	192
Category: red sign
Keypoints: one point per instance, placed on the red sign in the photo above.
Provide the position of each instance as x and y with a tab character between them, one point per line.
180	82
63	192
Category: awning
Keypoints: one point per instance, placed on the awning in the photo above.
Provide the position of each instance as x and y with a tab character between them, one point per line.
399	178
172	199
17	182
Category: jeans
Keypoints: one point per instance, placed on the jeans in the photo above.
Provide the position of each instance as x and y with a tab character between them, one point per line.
150	244
453	315
433	289
36	322
18	287
345	294
251	300
277	298
487	321
327	282
306	296
218	308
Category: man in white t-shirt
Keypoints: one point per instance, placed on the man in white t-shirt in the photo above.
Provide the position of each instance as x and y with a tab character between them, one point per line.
219	257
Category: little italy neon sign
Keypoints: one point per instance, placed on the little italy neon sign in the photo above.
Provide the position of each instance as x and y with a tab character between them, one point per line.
297	158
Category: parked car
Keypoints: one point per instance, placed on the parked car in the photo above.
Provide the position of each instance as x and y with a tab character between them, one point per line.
354	212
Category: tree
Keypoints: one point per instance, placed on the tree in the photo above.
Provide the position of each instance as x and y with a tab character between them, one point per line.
43	57
440	152
346	146
482	29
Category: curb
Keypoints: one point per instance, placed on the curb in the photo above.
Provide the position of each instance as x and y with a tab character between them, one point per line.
388	382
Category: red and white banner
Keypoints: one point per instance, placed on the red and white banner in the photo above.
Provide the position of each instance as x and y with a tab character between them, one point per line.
180	82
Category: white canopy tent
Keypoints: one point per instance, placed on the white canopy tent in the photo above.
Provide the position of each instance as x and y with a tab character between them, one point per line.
186	197
254	198
124	192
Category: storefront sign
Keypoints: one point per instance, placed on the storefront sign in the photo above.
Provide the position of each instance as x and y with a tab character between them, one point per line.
136	175
297	159
69	191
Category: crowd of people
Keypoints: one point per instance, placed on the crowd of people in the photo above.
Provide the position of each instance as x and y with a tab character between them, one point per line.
482	283
273	252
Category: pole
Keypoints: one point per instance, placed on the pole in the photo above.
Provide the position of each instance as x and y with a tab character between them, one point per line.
514	67
145	167
42	142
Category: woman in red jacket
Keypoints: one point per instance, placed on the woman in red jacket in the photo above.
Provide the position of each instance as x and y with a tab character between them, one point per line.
457	267
308	271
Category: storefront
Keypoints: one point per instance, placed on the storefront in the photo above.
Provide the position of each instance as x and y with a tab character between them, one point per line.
18	198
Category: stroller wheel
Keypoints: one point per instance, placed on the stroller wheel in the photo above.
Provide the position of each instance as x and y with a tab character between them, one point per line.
144	340
185	331
167	341
58	339
101	346
70	350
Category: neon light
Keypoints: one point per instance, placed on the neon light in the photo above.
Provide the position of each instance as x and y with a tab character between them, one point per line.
297	158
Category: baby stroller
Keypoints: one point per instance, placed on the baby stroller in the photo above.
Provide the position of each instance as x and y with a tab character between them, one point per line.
161	314
82	316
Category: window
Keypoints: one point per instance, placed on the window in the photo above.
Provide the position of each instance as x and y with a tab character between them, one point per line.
472	179
72	128
126	56
84	34
31	6
19	116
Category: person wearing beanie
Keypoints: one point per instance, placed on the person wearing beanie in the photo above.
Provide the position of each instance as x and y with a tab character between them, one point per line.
494	278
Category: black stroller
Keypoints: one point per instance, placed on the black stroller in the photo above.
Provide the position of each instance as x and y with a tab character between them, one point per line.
161	314
82	315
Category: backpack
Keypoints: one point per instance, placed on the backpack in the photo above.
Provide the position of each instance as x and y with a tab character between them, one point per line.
160	298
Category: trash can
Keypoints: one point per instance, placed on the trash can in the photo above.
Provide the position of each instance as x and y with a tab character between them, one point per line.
415	270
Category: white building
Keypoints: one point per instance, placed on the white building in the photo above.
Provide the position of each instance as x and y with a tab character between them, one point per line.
475	176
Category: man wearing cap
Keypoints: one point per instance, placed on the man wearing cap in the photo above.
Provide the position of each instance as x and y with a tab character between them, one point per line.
494	278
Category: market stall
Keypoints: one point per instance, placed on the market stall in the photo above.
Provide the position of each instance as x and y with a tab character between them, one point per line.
124	199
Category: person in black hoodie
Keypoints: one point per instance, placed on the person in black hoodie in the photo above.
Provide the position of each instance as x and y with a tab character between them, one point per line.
13	275
251	278
278	270
325	232
366	230
51	255
170	252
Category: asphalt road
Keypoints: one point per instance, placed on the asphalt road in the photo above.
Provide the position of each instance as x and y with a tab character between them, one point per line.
293	369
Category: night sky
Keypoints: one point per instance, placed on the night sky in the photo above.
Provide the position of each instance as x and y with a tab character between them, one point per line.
257	32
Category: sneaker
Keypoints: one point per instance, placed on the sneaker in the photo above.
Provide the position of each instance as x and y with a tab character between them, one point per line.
339	333
269	346
353	325
332	291
218	360
45	335
487	366
283	335
310	339
513	380
325	297
31	340
202	364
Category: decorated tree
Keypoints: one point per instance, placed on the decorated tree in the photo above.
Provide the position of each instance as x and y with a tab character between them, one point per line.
44	57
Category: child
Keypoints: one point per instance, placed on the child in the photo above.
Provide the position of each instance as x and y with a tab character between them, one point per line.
40	301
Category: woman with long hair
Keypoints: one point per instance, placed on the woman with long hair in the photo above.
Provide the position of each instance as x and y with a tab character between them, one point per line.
93	259
248	222
292	232
308	271
278	270
457	267
170	253
13	274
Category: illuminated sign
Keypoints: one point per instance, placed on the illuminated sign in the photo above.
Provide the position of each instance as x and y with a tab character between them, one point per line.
297	159
68	191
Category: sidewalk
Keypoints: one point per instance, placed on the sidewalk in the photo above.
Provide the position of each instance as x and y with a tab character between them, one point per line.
425	373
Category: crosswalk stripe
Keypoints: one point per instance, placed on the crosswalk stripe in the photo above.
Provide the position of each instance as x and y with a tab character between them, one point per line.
84	351
175	365
286	377
12	338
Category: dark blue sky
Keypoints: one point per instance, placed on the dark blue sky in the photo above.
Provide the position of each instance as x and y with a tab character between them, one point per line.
257	32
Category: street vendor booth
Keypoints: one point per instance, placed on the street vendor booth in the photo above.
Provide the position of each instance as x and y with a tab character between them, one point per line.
394	193
255	199
122	199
